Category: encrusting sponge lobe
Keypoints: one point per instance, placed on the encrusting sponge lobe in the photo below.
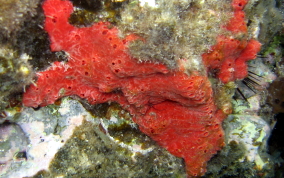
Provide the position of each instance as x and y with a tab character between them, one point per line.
229	55
173	108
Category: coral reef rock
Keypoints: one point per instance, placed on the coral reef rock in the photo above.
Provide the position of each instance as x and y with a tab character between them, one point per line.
163	72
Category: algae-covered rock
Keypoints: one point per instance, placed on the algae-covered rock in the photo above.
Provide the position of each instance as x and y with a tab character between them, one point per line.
264	19
13	13
15	74
174	29
13	144
245	153
67	140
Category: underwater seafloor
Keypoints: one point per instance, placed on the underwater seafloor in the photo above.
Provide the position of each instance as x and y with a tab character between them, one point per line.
72	138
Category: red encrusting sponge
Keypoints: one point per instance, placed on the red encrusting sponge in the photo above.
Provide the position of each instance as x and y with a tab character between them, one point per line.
229	55
174	109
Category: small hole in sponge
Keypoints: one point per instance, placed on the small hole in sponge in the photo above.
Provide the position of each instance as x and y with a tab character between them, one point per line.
114	46
54	19
116	70
104	32
205	134
77	37
86	73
